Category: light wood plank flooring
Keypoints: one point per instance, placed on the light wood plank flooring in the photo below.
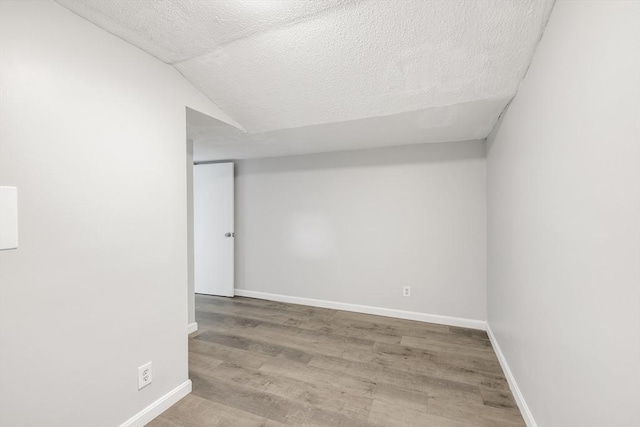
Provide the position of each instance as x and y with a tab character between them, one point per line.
263	363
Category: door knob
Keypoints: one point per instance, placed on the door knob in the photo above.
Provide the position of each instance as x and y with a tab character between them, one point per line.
229	234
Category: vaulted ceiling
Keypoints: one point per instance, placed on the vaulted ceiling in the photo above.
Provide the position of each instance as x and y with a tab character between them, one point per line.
305	76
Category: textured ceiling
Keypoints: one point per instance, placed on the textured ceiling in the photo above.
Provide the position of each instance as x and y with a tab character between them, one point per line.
216	140
323	75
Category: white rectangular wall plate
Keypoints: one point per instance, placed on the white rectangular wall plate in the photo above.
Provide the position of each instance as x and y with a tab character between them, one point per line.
8	218
144	375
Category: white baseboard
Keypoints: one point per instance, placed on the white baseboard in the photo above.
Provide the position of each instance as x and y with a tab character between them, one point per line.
379	311
159	406
513	385
192	327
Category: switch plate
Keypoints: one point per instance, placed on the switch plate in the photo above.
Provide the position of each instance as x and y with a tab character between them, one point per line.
406	291
144	375
8	218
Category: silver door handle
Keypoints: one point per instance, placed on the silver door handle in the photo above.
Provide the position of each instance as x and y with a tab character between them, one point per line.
229	234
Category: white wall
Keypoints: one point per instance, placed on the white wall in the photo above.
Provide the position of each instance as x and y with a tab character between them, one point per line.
355	227
93	136
563	206
191	311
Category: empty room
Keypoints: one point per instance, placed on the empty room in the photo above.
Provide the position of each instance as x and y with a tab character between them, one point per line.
319	213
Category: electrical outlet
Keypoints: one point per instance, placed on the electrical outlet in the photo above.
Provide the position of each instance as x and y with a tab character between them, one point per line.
406	291
144	376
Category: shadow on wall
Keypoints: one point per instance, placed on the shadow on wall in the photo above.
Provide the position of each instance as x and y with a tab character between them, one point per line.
496	129
374	157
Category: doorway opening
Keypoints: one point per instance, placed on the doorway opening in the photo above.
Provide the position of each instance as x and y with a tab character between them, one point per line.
210	213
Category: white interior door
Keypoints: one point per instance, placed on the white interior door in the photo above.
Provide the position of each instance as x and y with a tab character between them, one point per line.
213	231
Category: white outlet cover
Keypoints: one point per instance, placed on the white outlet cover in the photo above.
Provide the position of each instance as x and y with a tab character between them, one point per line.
144	375
8	218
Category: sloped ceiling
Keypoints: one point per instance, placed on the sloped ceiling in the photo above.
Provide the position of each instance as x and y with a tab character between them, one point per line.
305	76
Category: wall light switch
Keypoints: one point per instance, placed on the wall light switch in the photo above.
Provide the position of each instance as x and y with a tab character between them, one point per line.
8	218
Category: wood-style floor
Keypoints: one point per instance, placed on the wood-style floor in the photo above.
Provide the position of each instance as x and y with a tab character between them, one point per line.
263	363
